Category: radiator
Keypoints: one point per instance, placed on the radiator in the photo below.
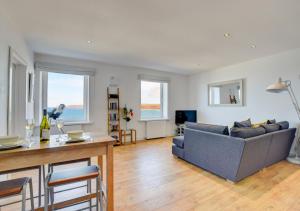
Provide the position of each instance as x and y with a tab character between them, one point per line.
156	129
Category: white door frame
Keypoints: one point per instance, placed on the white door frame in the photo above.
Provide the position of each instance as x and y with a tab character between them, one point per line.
14	59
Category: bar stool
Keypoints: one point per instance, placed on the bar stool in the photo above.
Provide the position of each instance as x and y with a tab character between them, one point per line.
51	169
55	179
15	187
39	168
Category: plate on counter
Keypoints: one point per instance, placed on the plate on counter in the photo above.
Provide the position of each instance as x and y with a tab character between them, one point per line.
11	146
77	140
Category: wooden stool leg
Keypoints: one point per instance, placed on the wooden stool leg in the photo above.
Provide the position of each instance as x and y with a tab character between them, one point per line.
135	136
124	137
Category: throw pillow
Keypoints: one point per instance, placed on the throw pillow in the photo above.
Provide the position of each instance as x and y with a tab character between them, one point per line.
256	125
271	121
283	125
246	123
247	132
271	127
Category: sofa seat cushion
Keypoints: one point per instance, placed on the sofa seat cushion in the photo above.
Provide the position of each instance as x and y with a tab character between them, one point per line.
218	129
179	141
247	132
177	151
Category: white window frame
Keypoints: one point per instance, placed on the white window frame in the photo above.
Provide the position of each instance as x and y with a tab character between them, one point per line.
164	99
86	95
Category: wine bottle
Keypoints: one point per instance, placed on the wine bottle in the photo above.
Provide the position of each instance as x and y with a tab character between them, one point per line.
45	127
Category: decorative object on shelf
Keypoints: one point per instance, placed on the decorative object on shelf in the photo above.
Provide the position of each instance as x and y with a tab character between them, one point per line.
113	113
125	133
127	115
281	86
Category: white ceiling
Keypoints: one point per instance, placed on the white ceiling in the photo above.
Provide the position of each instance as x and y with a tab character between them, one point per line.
184	36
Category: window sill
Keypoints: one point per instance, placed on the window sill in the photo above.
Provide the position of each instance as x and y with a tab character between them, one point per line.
75	123
149	120
78	123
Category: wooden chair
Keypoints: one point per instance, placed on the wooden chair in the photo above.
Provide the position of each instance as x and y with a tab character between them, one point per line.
15	187
86	173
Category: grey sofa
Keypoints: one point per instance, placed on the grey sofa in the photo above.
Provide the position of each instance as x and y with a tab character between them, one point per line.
230	157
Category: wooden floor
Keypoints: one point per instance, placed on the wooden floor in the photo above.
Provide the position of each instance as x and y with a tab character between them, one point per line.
148	177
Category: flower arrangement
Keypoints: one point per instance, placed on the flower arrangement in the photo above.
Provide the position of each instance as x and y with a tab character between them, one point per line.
127	114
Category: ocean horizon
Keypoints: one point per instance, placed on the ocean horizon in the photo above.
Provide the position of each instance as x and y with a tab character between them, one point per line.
77	114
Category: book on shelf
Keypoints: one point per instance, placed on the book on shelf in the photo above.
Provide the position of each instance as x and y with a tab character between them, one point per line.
113	106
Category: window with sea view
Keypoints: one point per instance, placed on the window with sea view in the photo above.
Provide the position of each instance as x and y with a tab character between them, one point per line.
67	89
153	100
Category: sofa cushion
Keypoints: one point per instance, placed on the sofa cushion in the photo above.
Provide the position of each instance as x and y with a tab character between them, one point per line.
271	127
283	125
247	132
246	123
271	121
219	129
258	124
179	141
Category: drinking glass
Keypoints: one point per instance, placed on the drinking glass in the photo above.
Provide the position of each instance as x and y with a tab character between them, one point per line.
29	132
60	125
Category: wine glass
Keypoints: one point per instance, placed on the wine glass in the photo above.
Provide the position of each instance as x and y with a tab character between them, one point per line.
60	125
29	131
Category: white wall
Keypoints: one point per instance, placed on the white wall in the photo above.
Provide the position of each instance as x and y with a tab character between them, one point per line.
129	91
9	36
259	105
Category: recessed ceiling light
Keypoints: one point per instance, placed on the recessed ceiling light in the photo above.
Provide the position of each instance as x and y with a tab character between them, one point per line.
227	35
89	42
253	46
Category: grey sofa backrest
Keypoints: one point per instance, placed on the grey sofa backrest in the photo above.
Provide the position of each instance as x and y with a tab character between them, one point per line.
254	155
220	154
280	146
236	158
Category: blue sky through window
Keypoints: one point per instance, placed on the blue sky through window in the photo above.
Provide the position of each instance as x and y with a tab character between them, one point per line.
67	89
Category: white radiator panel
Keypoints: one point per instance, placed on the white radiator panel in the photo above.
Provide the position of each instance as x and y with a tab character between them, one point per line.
156	129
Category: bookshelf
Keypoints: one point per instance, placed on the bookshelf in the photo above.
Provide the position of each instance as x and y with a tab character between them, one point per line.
113	119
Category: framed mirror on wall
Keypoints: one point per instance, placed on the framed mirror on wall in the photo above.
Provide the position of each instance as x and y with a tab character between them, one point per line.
18	93
227	93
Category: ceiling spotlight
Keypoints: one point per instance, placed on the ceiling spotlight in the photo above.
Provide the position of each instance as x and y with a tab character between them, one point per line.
253	46
227	35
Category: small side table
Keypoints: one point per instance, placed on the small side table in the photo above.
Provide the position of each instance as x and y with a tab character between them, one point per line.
125	133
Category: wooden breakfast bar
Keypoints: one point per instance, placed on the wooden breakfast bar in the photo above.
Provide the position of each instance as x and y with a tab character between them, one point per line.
53	151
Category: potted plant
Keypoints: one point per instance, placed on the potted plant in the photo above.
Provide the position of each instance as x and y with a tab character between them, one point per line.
127	115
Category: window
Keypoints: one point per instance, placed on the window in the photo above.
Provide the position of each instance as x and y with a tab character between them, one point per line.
68	89
154	100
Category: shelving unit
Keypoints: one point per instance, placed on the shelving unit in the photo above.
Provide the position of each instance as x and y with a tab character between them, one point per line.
113	119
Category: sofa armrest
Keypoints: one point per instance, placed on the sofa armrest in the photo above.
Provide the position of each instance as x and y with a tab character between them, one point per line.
220	154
